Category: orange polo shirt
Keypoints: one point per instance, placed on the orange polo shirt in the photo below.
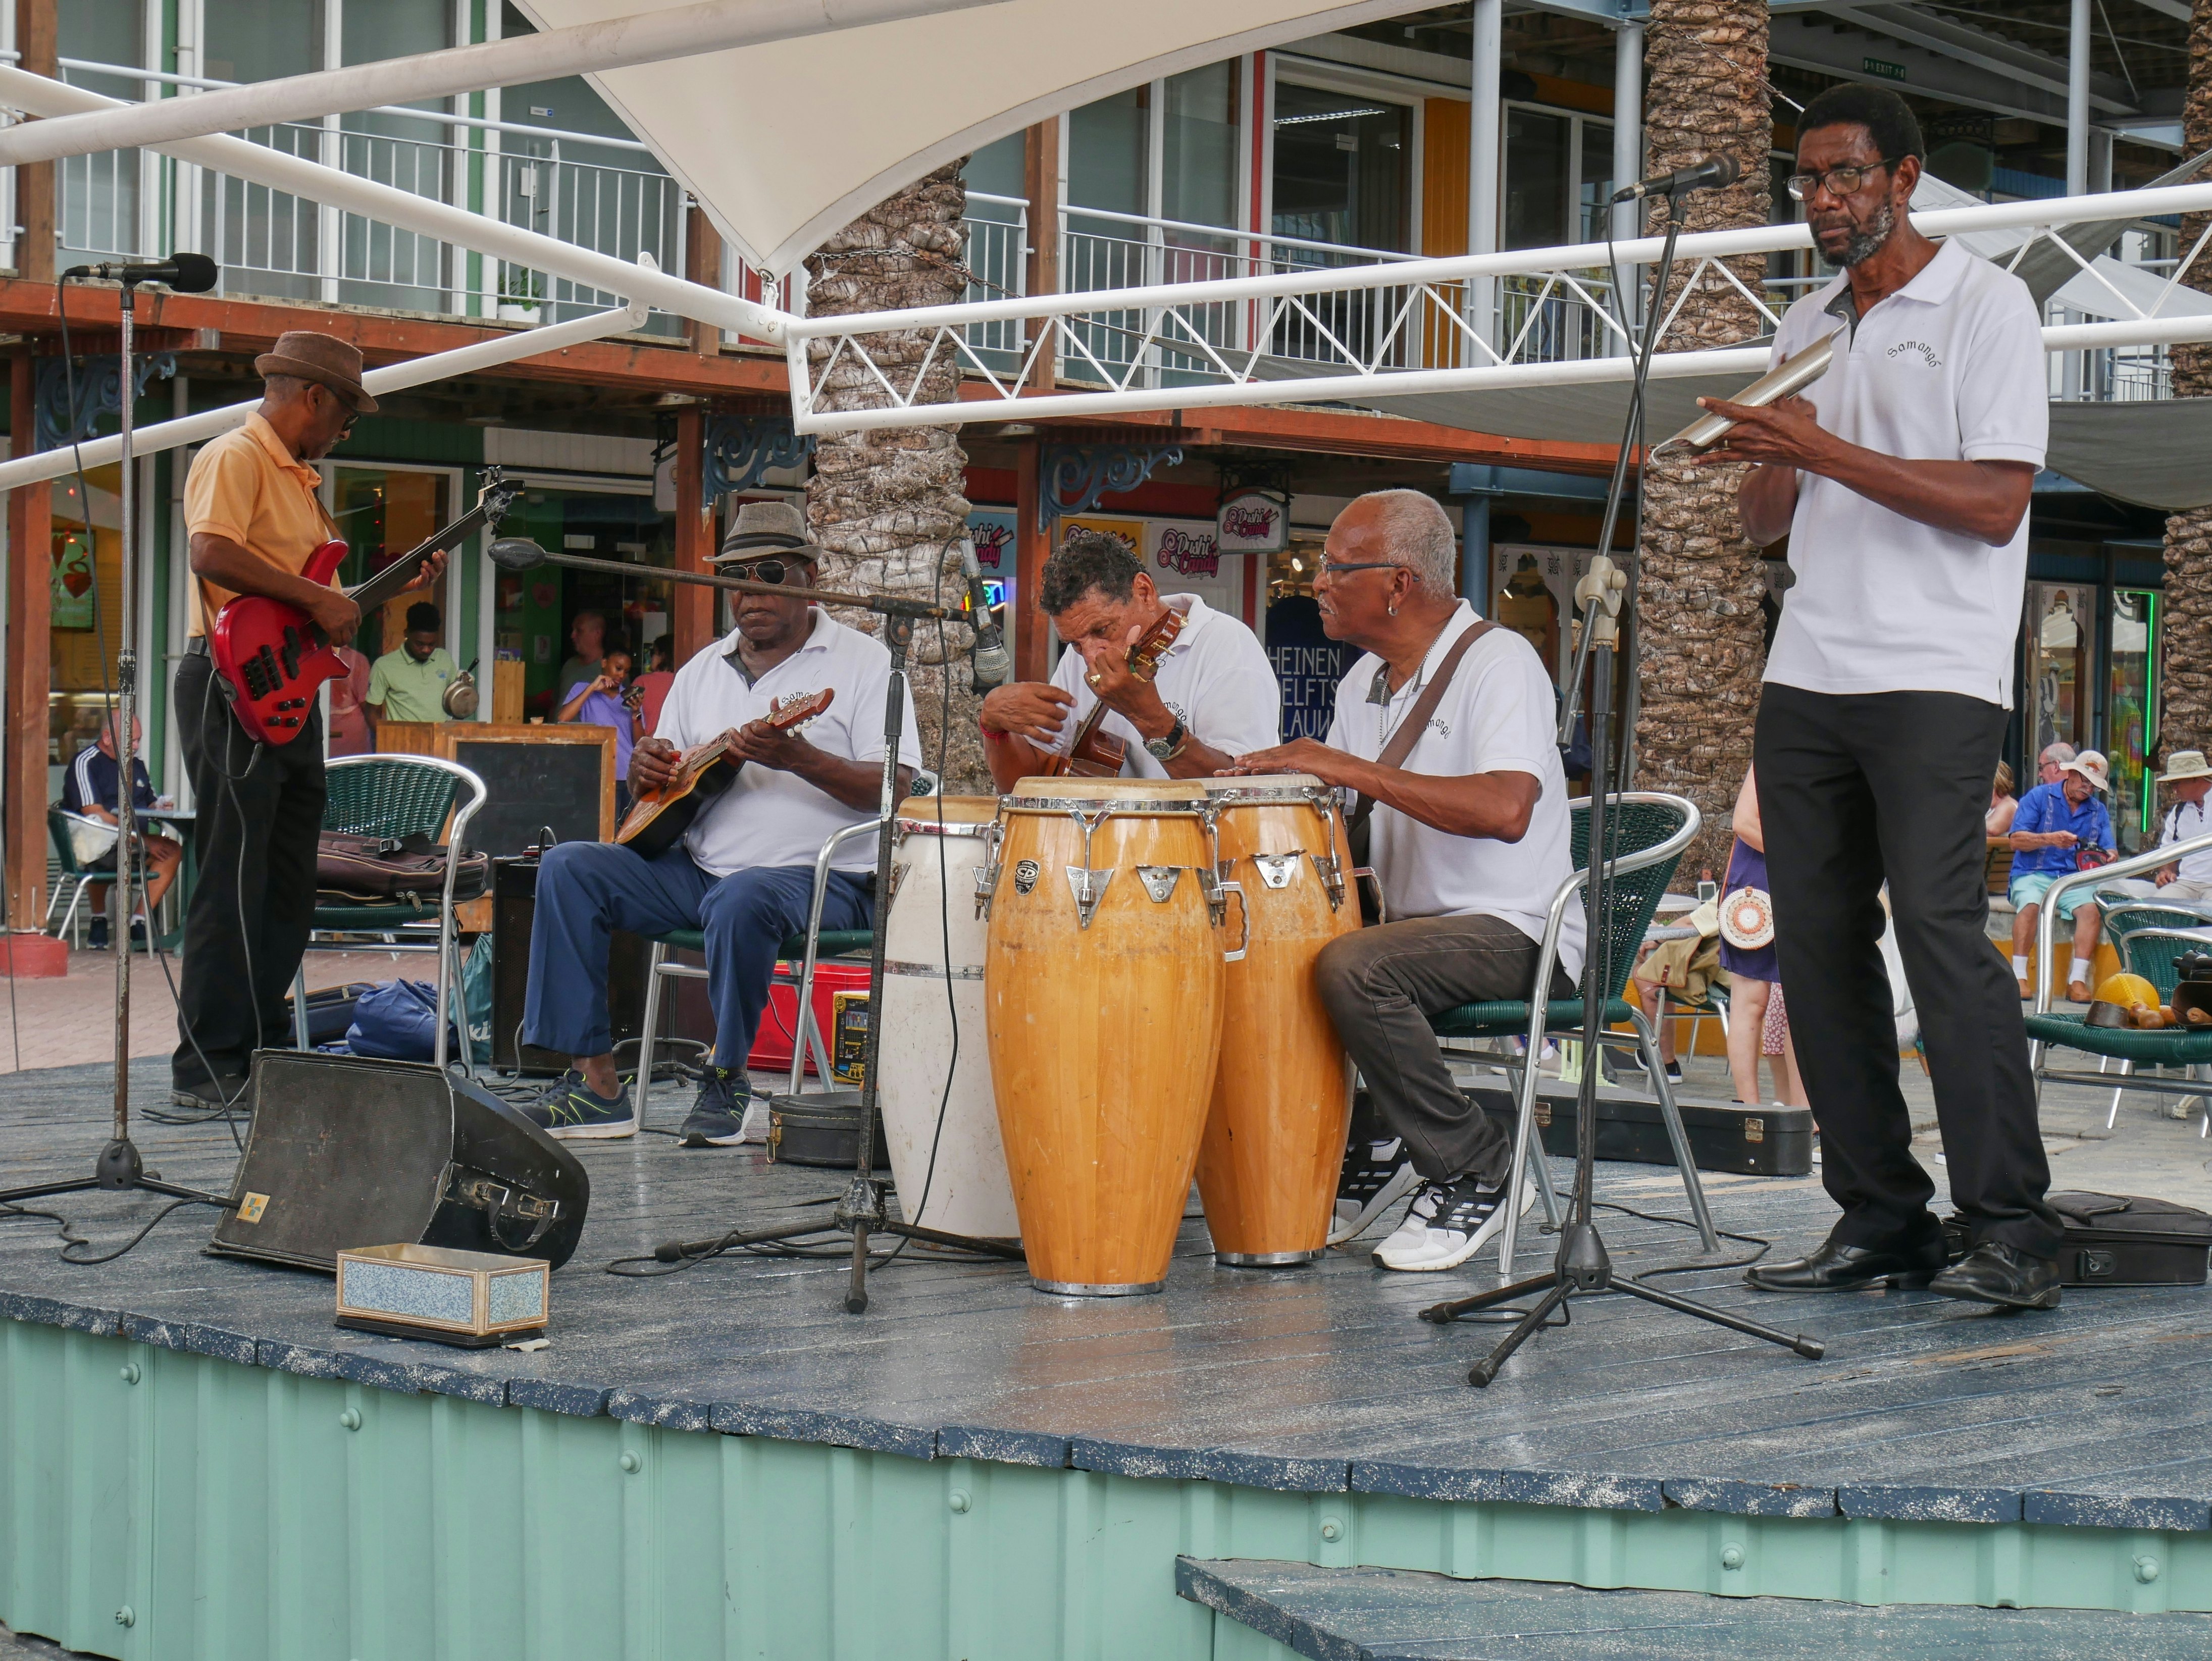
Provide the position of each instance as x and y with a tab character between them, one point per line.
247	487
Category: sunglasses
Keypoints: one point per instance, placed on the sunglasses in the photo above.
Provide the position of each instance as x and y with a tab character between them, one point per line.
773	571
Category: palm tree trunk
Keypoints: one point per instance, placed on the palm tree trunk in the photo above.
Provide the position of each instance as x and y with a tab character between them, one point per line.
2186	649
887	505
1699	622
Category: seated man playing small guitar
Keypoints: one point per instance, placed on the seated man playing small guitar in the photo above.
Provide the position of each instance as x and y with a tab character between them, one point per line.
1124	703
744	872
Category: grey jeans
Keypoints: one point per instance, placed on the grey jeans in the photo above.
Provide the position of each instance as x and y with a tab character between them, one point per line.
1382	983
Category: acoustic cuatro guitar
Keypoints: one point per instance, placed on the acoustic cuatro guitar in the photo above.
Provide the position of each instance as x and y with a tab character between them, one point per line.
658	818
1095	755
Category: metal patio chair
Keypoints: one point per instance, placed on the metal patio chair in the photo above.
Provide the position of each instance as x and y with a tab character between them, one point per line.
2149	951
1653	828
397	796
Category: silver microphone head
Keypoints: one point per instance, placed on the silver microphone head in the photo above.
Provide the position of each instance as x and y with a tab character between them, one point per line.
516	554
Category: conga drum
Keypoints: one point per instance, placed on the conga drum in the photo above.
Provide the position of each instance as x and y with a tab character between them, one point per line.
943	1136
1103	976
1268	1168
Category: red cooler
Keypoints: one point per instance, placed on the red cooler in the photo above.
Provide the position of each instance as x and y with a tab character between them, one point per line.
780	1020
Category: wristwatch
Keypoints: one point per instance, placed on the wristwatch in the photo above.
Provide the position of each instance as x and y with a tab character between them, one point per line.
1170	744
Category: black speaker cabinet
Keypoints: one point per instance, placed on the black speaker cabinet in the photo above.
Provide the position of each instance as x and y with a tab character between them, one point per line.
685	1011
347	1151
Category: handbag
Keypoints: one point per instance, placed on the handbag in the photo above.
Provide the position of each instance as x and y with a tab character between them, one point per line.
401	870
1748	919
1356	834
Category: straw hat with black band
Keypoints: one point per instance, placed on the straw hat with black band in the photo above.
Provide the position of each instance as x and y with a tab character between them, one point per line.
330	363
763	529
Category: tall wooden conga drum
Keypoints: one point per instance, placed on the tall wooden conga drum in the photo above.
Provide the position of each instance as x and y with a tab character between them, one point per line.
1282	1095
940	1122
1103	980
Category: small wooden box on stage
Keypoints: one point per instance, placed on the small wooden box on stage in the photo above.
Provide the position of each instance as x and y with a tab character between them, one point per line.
472	1298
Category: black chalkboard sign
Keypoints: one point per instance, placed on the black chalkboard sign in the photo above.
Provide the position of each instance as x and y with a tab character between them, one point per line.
538	778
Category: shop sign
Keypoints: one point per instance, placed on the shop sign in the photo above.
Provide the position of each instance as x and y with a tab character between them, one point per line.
71	589
1252	522
993	534
1190	550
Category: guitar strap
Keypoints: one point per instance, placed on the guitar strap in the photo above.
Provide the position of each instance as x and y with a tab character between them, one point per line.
1410	729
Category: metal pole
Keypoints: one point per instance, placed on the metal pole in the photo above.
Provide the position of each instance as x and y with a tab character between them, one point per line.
1485	129
124	715
2077	100
1627	125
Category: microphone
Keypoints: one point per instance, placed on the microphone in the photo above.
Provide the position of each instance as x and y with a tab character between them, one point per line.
1710	173
516	554
994	665
185	273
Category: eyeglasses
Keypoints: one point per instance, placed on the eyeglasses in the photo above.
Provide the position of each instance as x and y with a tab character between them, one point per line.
1840	182
1337	568
766	570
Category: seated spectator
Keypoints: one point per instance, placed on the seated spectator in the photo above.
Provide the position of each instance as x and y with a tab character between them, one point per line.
2055	825
90	789
2188	779
2002	803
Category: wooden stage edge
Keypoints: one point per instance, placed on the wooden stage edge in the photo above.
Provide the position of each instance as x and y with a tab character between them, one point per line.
722	1461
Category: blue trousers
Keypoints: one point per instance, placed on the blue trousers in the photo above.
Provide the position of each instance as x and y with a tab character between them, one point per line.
587	890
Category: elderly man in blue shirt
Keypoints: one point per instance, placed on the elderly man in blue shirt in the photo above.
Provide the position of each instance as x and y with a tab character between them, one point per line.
2055	823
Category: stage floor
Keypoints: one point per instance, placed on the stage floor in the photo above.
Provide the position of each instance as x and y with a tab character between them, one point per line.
1313	1380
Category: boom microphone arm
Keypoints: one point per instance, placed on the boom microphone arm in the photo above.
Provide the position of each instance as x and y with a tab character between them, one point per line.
520	554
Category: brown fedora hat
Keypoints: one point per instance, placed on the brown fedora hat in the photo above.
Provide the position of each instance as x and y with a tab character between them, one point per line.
323	359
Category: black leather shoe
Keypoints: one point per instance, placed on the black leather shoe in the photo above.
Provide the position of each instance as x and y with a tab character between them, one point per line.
1994	1273
1833	1268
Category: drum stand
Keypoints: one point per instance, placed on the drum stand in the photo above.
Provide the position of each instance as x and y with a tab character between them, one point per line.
859	1210
1582	1266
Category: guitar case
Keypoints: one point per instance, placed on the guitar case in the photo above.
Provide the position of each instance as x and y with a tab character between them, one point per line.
2119	1240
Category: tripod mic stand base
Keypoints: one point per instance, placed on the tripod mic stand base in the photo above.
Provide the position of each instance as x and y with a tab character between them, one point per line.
118	1170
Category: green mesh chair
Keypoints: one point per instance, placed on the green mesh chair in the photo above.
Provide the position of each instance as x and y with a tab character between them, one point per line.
396	796
1648	831
805	949
2149	938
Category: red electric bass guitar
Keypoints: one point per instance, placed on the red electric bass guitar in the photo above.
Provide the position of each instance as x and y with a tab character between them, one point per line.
272	658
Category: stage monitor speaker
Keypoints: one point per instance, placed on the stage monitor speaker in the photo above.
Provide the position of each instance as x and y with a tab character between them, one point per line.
346	1152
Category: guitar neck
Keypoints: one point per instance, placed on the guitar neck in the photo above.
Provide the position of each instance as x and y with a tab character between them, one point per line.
394	578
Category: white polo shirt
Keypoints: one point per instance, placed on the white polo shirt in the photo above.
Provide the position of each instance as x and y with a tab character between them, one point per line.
1215	678
2182	822
1949	367
767	817
1497	716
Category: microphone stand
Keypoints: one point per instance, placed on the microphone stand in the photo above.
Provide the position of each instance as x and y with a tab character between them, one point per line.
119	1167
859	1210
1583	1265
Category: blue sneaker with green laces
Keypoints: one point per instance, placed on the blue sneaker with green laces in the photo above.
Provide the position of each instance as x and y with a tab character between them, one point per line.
568	1110
717	1117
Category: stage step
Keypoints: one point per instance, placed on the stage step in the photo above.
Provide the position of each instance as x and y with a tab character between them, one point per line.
1389	1614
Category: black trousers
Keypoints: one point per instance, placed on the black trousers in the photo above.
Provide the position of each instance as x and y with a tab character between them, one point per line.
1852	789
254	841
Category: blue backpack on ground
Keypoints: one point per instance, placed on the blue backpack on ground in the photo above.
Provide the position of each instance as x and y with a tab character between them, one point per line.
397	1021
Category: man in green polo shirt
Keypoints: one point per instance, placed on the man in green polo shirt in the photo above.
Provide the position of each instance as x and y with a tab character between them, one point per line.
410	684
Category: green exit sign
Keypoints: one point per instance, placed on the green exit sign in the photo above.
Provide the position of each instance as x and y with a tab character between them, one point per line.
1887	71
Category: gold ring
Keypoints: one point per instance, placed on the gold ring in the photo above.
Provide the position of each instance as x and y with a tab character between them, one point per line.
1091	680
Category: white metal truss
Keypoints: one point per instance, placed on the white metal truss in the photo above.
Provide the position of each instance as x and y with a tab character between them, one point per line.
1363	332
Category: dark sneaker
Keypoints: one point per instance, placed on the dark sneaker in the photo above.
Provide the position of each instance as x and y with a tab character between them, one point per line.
95	939
717	1117
568	1110
1447	1224
1376	1175
211	1095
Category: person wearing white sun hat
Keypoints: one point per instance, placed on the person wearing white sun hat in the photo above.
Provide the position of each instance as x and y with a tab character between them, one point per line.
2188	880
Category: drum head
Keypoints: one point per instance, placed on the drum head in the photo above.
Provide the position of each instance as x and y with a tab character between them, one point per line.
920	815
1748	919
1042	795
1262	788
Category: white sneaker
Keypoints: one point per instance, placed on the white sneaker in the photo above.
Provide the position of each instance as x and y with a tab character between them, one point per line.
1375	1177
1448	1223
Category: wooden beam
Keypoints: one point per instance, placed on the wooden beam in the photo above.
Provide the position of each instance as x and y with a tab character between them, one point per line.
1032	660
37	39
1041	261
702	263
695	535
30	645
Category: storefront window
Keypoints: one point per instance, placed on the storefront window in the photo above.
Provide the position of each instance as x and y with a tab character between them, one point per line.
2062	654
536	610
1536	161
86	596
1341	172
2131	720
1199	147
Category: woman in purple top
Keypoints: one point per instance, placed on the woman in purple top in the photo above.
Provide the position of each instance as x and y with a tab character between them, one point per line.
604	701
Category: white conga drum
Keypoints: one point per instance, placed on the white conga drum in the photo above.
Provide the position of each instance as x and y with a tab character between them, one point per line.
1282	1095
943	1141
1104	978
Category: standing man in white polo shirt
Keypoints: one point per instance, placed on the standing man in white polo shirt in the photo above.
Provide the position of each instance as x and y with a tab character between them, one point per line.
1469	837
1214	696
1902	480
743	873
